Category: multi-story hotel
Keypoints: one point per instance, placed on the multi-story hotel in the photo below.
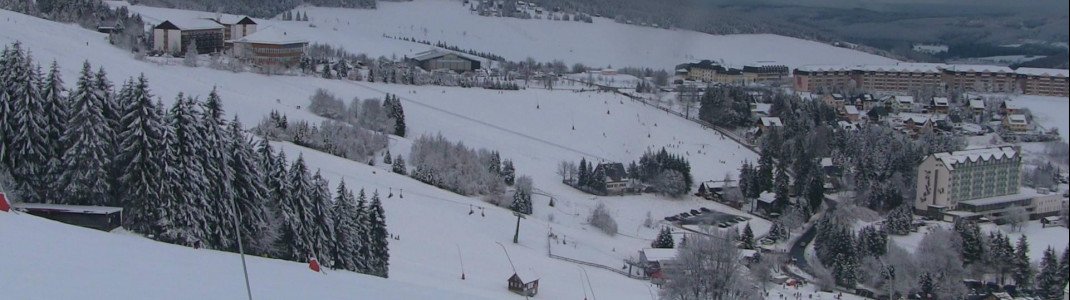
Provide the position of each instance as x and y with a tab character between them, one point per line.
906	77
949	178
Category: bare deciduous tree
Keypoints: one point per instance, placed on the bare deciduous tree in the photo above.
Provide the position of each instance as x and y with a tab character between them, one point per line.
708	267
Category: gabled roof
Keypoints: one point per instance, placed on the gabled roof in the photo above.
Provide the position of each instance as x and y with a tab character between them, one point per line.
904	99
1043	72
1017	119
436	53
950	159
659	254
771	122
941	101
978	104
235	19
273	36
1011	104
189	24
851	109
614	171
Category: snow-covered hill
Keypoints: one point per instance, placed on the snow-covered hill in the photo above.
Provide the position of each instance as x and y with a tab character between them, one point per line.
602	43
42	259
532	127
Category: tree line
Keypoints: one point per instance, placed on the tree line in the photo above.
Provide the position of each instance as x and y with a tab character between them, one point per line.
127	30
183	174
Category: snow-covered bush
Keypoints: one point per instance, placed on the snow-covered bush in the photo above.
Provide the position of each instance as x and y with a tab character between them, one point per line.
601	219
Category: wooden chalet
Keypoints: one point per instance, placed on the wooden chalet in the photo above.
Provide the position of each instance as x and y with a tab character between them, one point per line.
518	286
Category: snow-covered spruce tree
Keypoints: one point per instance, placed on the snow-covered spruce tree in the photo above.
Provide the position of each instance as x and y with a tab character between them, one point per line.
276	178
364	239
583	176
189	209
747	238
112	110
142	160
1064	265
5	110
379	248
28	136
250	192
321	226
899	220
56	106
396	114
345	251
399	165
1023	268
85	176
215	160
781	189
597	181
522	196
664	239
1050	283
296	234
972	241
387	159
508	172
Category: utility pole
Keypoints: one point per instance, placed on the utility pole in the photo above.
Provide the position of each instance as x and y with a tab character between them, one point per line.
241	249
516	235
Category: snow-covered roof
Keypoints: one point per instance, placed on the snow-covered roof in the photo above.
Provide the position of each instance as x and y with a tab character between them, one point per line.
271	35
950	159
847	125
1013	105
767	197
659	254
763	108
904	99
851	109
720	184
921	118
435	53
978	69
1023	193
1017	119
193	24
825	68
904	68
826	162
233	19
1043	72
978	104
771	122
941	101
747	253
96	210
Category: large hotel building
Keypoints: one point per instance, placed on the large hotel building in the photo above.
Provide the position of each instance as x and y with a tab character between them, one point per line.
906	77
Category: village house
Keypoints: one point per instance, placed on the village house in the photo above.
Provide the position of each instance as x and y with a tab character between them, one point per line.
939	105
852	114
654	260
174	36
716	190
835	100
900	103
616	177
436	59
270	47
767	123
520	287
1011	107
1016	123
977	106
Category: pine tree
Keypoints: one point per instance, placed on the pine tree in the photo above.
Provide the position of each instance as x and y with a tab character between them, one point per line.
387	160
85	163
521	201
347	230
765	169
398	114
142	160
664	239
899	220
365	241
781	188
972	241
321	227
112	111
189	209
597	180
56	107
747	238
215	161
276	178
1064	265
508	172
399	166
5	105
1050	282
29	153
250	192
1023	270
296	211
582	176
379	250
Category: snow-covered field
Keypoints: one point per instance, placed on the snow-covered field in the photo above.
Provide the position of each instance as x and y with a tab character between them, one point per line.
603	43
1049	112
42	259
531	127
